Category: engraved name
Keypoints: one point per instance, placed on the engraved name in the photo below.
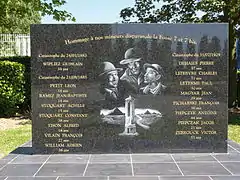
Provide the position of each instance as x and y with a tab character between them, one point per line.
195	83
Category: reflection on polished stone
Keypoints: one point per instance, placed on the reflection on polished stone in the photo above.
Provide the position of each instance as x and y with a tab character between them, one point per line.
129	88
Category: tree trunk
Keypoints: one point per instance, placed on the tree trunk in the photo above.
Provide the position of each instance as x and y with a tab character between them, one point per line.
232	84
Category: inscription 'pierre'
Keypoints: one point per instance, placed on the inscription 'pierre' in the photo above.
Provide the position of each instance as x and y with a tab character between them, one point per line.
194	63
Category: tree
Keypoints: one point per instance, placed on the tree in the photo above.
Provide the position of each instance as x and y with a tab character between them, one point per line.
17	15
185	11
153	53
179	50
191	49
51	8
130	43
165	58
141	45
119	49
215	47
203	45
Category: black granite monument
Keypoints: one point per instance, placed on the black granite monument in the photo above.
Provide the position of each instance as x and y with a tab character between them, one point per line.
129	88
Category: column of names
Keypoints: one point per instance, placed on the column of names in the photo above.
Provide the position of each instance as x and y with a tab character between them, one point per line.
196	107
62	104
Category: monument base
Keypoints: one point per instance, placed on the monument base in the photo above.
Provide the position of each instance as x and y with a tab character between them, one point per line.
194	169
130	130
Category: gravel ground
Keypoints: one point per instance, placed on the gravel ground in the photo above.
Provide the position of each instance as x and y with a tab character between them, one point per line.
13	122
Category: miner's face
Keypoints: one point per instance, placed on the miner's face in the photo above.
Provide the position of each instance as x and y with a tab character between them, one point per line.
151	75
112	78
134	67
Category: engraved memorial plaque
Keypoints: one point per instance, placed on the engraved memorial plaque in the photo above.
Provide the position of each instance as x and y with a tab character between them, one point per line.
138	88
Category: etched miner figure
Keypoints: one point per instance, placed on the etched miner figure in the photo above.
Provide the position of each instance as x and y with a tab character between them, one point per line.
132	75
111	87
130	126
152	77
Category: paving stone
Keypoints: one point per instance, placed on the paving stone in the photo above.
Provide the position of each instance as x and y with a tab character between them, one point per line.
83	178
136	158
234	167
19	169
234	145
81	159
62	170
210	168
1	164
192	157
110	158
119	167
133	178
228	157
225	177
8	158
156	169
31	178
108	170
231	150
30	159
185	178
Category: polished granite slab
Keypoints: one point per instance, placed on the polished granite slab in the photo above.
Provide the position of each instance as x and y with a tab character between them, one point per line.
23	164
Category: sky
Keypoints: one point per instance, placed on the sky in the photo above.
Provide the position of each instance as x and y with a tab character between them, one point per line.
93	11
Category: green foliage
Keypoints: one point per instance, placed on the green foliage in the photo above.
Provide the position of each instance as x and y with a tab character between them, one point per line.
11	87
26	62
50	7
185	11
17	15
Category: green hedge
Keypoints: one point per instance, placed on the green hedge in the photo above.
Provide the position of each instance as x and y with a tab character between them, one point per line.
26	61
12	91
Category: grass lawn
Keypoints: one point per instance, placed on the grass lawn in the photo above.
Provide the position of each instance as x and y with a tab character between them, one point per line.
234	133
234	129
12	138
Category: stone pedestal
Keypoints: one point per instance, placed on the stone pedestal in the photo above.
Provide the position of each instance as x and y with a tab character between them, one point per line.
130	126
130	131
